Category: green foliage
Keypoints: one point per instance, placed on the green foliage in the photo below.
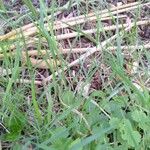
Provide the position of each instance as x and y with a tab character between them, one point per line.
15	125
132	137
68	97
2	7
58	117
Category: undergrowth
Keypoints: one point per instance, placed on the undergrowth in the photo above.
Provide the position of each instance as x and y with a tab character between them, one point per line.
58	116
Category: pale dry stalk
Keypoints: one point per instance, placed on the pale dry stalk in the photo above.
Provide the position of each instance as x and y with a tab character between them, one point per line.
84	56
77	20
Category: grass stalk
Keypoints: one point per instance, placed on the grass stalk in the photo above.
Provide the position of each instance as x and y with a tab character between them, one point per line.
40	53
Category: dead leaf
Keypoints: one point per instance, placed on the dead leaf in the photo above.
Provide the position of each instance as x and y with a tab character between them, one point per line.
4	72
83	88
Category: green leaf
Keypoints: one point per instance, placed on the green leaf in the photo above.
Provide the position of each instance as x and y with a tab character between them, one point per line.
12	136
132	137
142	119
114	108
2	7
91	138
98	94
35	103
121	100
15	125
68	97
114	122
139	116
75	142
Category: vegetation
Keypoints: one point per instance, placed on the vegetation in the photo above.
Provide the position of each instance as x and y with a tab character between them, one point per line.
75	75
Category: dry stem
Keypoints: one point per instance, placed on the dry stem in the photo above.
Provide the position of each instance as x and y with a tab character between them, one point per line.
86	32
83	57
77	20
28	81
43	64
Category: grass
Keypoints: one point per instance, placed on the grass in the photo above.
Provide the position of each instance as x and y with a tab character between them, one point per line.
64	113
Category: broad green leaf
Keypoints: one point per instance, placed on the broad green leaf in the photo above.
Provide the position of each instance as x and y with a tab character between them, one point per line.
142	119
114	108
114	122
75	142
15	125
98	94
68	97
91	138
139	116
132	137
